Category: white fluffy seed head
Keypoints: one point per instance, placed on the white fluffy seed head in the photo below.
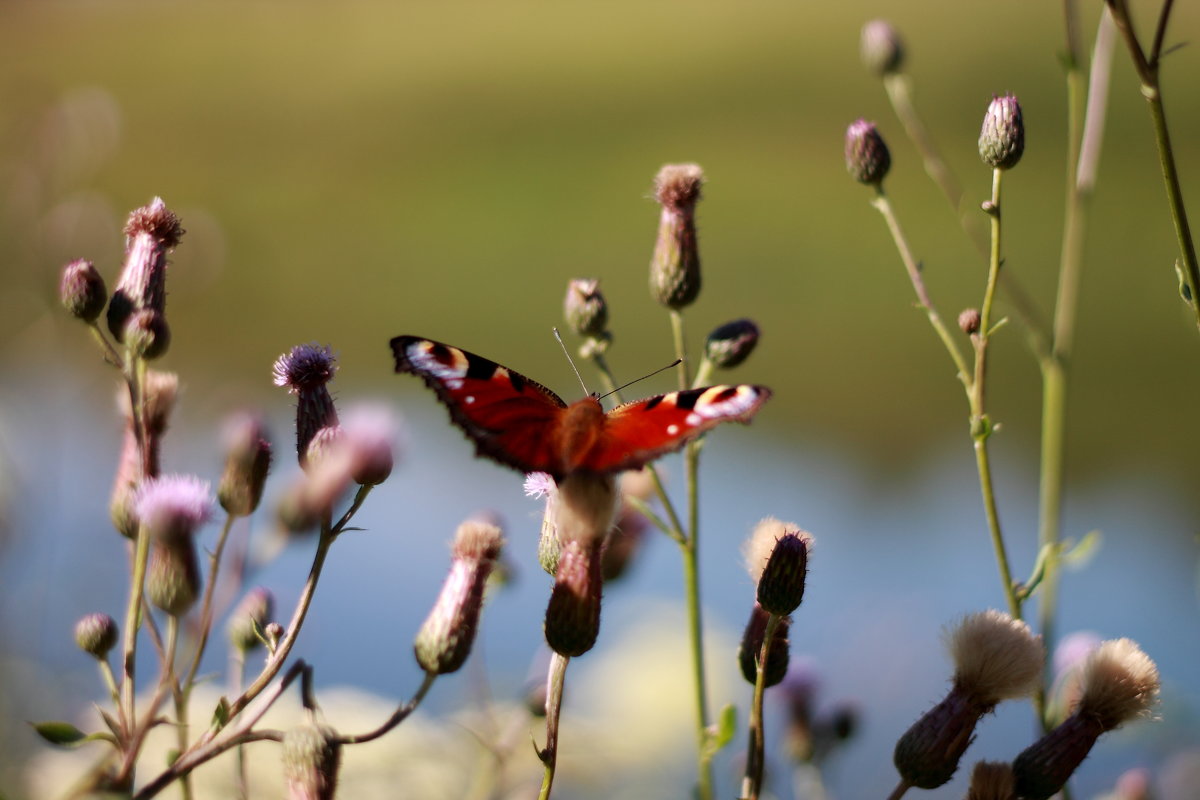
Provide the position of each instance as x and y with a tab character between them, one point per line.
757	549
1120	682
995	657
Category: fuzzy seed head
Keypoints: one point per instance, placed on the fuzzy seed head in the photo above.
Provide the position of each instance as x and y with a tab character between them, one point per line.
253	612
732	343
96	634
969	321
585	308
311	759
881	49
992	780
1002	140
750	649
82	290
156	221
996	658
867	156
677	186
1120	682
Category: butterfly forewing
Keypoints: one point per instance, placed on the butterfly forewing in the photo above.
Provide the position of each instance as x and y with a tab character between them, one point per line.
509	417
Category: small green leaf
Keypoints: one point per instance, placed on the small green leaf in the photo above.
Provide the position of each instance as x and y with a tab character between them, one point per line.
60	733
221	714
726	726
110	722
1078	554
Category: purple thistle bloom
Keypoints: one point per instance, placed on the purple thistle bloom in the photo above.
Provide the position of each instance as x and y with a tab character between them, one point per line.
305	366
173	505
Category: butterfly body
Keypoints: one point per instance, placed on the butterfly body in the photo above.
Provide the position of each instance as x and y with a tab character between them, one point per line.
522	424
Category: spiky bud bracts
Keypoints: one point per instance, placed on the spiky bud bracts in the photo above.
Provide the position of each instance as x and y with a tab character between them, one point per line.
750	650
573	614
995	658
732	343
777	560
82	290
675	266
1002	139
867	157
247	461
304	371
96	634
312	756
1119	682
444	641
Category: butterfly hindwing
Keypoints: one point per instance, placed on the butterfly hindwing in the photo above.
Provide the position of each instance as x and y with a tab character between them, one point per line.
637	433
511	418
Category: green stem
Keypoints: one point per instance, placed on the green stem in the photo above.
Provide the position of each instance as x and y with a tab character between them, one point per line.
691	581
179	696
756	750
129	649
555	681
677	334
398	716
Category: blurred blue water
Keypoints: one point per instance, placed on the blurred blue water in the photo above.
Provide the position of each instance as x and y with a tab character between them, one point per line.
897	557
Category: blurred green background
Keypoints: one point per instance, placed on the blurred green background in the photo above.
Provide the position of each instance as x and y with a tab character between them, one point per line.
348	172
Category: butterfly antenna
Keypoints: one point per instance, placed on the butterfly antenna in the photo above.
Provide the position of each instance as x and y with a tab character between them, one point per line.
570	360
674	363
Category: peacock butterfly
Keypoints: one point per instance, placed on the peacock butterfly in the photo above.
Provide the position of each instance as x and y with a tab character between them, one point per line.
524	425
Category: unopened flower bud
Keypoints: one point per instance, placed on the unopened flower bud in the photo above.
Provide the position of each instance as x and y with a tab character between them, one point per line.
170	510
96	634
82	290
274	632
996	658
370	435
880	47
312	756
445	639
1119	683
250	617
147	334
573	614
1002	140
151	233
750	649
991	780
305	370
777	560
969	321
675	267
585	309
247	461
867	156
732	343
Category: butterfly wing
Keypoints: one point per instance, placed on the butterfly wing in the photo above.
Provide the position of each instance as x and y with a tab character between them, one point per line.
510	418
635	434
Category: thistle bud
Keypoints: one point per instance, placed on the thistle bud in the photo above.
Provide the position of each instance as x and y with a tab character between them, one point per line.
777	560
247	461
675	268
96	634
251	616
170	509
996	658
732	343
573	614
274	632
370	435
305	370
750	649
445	639
867	156
969	321
147	334
312	755
82	290
1002	140
585	309
151	233
991	780
880	47
1119	683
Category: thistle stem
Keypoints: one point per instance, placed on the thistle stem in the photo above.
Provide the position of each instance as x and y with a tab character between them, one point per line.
555	681
398	716
756	750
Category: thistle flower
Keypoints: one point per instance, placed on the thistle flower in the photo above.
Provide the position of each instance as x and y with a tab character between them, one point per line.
881	49
170	509
996	658
732	343
585	309
82	290
573	614
991	780
96	634
867	156
151	233
160	392
312	756
1119	683
1002	140
675	267
251	615
445	638
750	650
247	461
305	370
777	560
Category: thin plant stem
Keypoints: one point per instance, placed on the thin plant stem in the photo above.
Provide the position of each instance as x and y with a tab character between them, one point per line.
703	373
756	749
900	790
206	607
111	356
555	681
132	612
397	717
110	680
237	673
179	696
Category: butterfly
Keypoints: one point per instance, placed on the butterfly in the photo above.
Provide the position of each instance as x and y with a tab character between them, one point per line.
522	424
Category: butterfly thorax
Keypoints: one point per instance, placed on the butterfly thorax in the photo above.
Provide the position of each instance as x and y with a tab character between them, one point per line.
580	429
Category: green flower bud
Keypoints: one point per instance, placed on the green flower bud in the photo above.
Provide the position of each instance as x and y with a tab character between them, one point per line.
1002	140
96	634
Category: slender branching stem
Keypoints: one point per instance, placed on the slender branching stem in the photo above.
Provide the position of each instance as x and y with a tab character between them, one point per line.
206	606
398	716
111	356
130	630
756	750
110	681
179	696
555	681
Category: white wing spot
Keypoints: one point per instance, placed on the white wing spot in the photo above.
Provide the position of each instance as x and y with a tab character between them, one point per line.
672	430
694	418
469	399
